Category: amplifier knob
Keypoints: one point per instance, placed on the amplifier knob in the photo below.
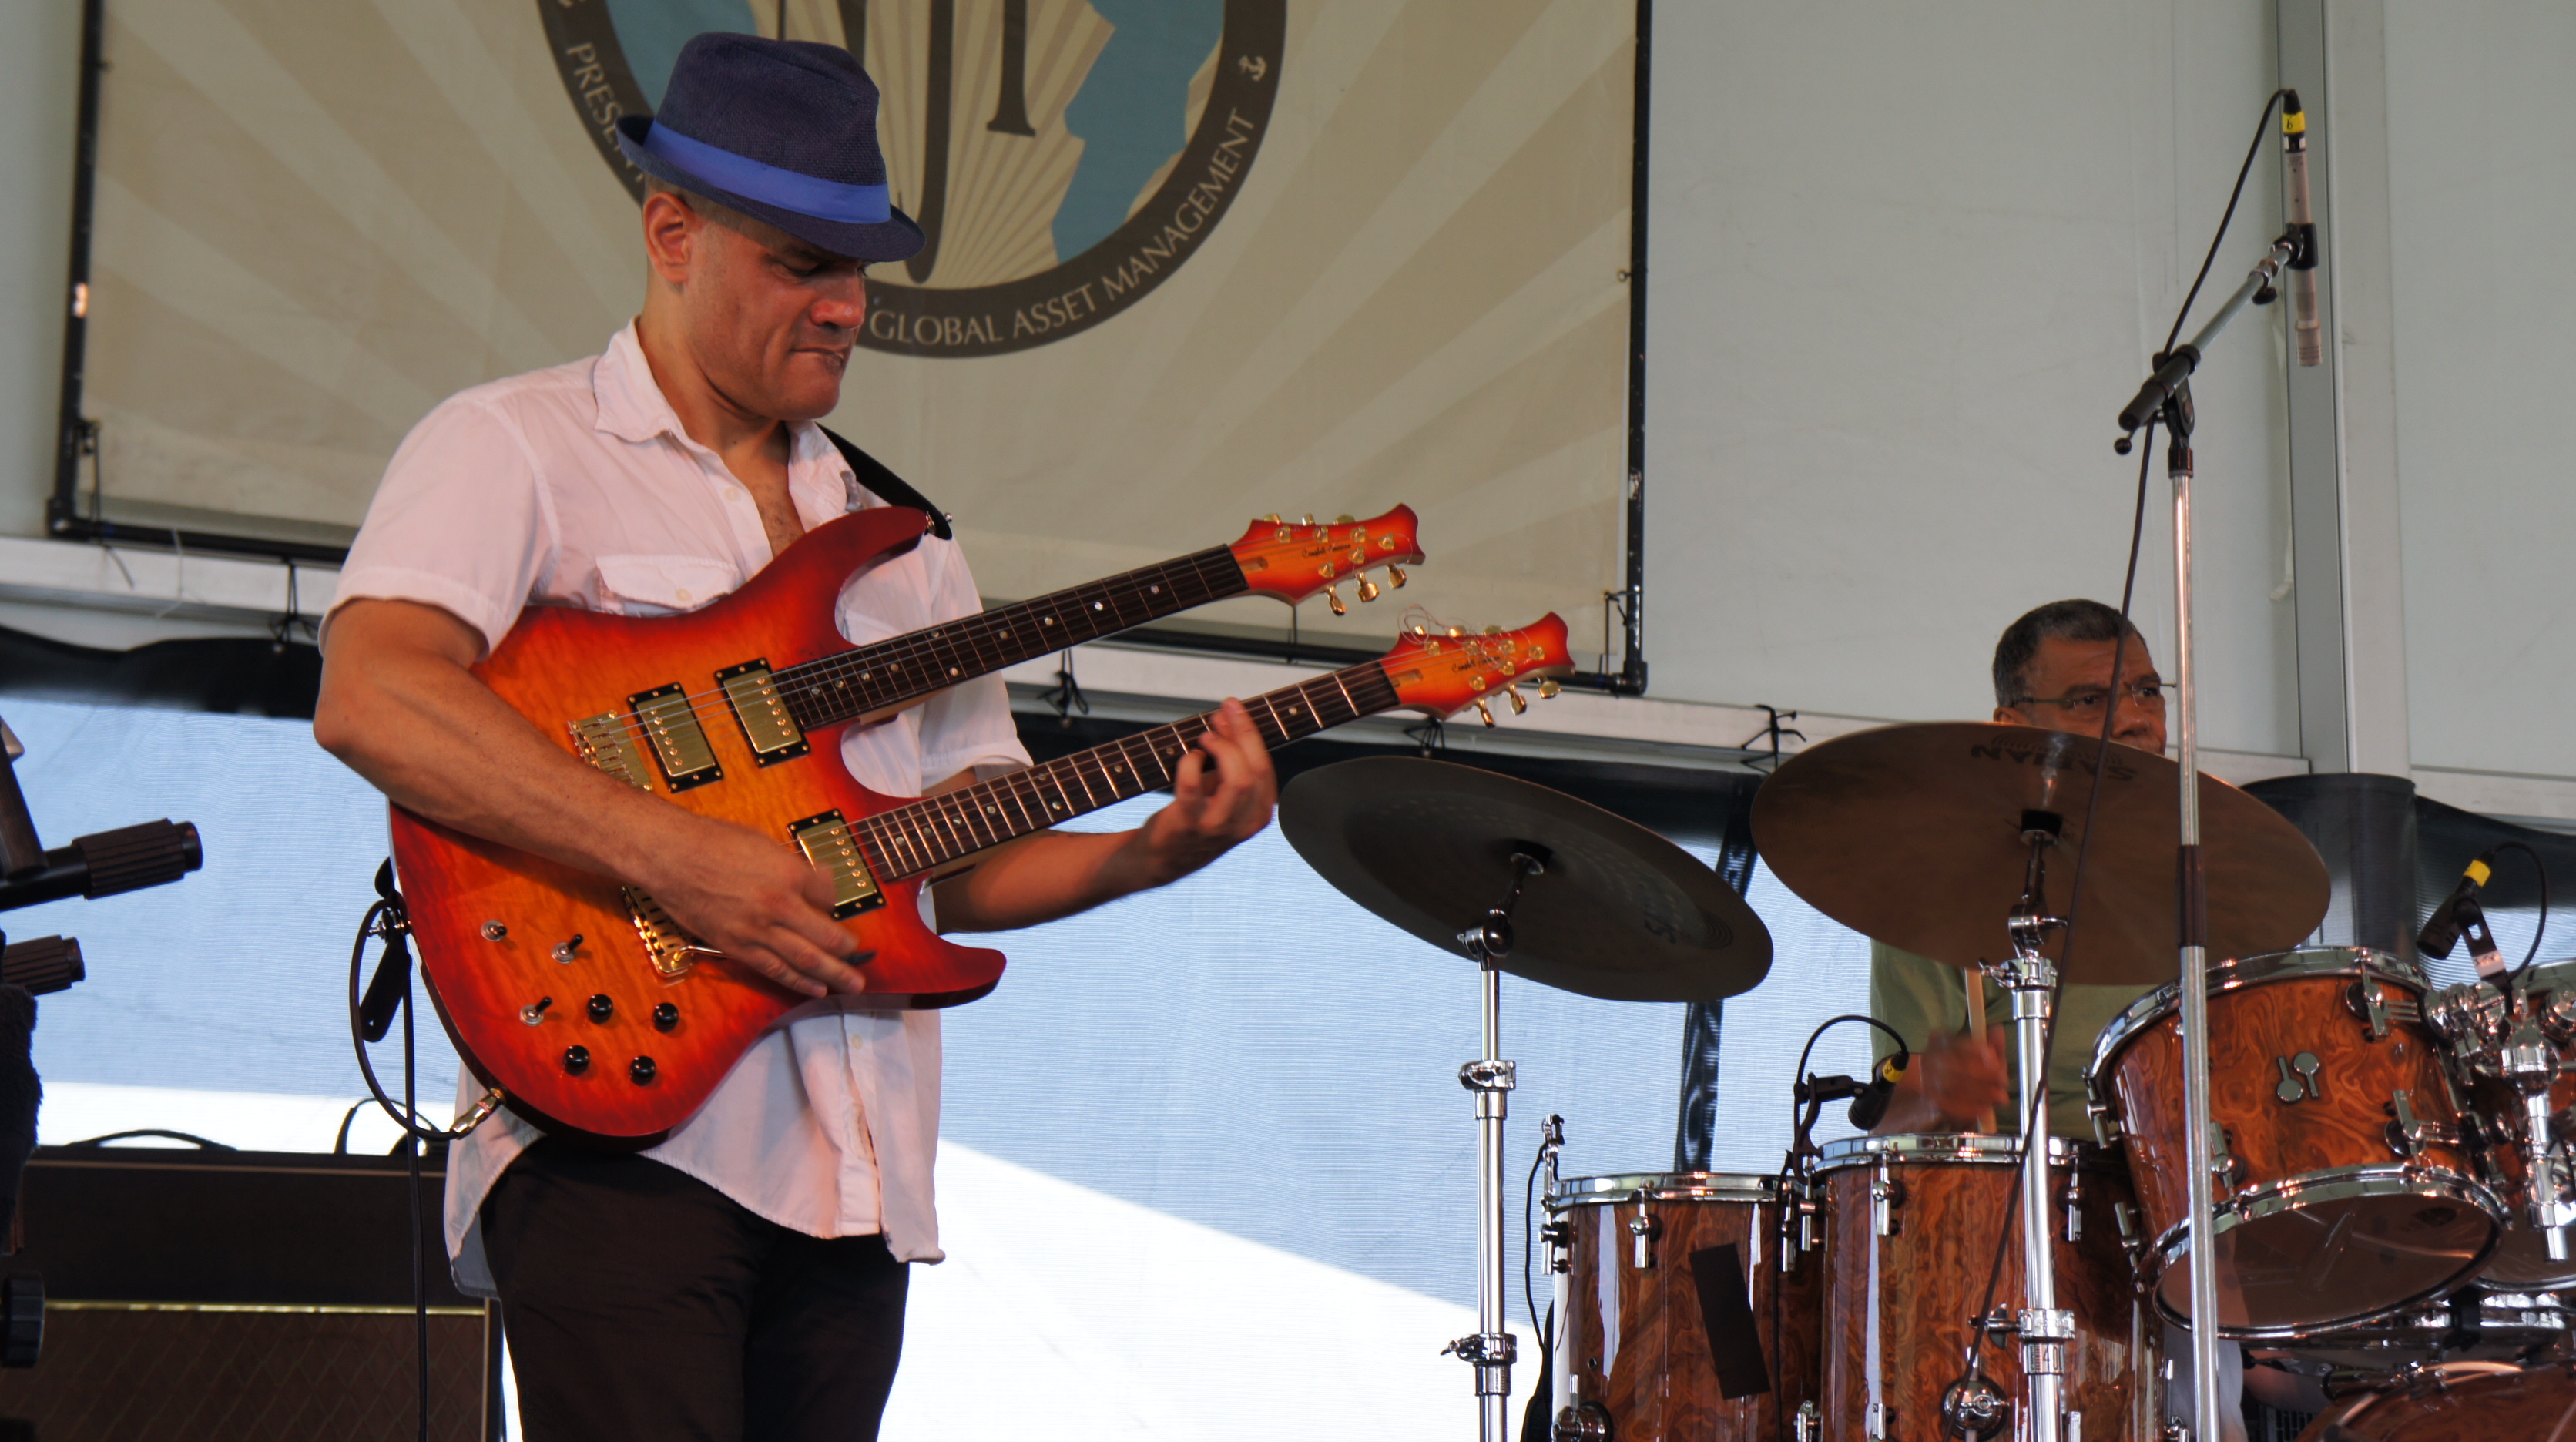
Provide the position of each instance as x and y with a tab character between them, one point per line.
641	1070
666	1017
576	1059
600	1006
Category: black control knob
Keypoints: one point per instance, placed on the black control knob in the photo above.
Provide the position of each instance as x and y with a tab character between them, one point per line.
576	1059
642	1071
666	1017
600	1007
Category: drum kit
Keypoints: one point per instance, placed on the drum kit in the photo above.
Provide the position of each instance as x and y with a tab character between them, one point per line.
2389	1161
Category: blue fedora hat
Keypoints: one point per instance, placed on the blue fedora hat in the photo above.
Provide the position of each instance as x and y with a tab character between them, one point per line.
784	130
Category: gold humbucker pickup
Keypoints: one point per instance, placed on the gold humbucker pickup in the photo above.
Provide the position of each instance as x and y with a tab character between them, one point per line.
679	743
827	843
773	734
672	949
605	742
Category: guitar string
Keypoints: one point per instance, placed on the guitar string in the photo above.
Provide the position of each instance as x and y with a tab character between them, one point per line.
1116	590
704	706
713	705
916	821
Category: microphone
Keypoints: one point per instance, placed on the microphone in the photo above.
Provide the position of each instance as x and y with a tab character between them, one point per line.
2459	910
1870	1106
2303	230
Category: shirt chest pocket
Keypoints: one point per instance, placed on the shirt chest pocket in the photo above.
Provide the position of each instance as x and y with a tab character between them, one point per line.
661	585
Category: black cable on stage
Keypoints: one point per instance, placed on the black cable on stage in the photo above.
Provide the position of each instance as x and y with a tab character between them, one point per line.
2110	714
2540	926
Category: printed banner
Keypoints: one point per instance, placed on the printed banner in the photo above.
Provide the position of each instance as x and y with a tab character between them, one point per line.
1189	262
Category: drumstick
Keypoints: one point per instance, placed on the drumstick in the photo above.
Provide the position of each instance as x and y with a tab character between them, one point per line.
1977	1030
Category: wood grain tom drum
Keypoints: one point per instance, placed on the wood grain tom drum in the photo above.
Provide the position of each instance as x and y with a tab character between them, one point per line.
1670	1285
1911	1228
2345	1192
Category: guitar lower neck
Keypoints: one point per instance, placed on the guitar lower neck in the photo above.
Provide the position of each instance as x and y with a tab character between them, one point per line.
893	673
937	830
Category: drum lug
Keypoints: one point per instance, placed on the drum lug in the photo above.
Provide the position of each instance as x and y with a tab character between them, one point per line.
2377	1006
2072	1198
2409	1135
2125	1216
2225	1170
2106	1127
1558	1234
1878	1423
1810	1213
1645	1227
1581	1422
1808	1425
1886	1195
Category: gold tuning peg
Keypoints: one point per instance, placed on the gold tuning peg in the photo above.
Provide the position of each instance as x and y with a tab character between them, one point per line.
1519	702
1344	519
1308	520
1368	588
1272	518
1396	574
1419	630
1333	595
1483	714
1493	630
1547	688
1457	630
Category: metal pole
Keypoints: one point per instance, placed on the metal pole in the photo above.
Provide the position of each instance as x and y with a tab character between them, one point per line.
2195	974
2045	1331
1493	1376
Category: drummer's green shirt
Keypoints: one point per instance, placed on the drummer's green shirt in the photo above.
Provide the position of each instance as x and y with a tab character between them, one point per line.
1919	997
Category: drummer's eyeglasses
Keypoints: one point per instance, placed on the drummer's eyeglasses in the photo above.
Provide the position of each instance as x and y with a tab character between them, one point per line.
2087	704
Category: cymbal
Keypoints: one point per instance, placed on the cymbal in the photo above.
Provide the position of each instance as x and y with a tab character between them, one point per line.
1912	835
1619	913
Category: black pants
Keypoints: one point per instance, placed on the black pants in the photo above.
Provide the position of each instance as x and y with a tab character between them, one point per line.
644	1304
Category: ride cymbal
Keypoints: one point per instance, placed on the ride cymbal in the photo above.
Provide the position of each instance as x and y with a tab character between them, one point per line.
1912	835
1618	913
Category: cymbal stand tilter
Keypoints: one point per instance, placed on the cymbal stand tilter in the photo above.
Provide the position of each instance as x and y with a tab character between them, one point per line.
1974	1406
1491	1079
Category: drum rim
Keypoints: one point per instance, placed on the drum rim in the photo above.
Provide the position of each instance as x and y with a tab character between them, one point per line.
1609	1189
2415	1380
2336	1184
1976	1149
2238	972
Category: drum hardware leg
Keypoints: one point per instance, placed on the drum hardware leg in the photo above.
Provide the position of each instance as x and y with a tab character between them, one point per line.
1491	1078
2031	978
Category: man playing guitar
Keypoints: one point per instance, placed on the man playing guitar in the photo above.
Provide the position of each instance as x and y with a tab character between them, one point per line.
745	1276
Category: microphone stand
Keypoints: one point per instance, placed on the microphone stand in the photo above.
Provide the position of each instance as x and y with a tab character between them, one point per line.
2168	393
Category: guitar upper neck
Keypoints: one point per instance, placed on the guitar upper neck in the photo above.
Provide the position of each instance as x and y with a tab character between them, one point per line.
850	684
937	830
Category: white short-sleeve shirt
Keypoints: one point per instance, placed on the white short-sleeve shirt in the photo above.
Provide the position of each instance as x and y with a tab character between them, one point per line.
576	486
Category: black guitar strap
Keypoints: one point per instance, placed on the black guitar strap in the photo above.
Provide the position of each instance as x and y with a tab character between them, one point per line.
892	489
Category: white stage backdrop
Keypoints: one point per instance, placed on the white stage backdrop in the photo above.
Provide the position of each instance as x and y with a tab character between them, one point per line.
1192	261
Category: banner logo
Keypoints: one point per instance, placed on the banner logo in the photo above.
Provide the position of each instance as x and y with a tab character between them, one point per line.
1063	157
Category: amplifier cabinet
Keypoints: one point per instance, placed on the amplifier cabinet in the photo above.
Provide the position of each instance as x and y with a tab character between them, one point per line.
231	1295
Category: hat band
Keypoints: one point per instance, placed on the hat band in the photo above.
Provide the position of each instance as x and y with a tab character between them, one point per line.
786	189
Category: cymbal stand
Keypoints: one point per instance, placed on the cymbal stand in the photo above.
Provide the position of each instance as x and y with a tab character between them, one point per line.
2167	394
1491	1079
1974	1406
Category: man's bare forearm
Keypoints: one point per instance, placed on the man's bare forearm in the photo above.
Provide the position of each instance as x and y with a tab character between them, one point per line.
434	739
1043	877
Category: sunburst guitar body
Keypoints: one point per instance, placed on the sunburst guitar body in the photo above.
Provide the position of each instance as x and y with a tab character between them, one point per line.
584	1004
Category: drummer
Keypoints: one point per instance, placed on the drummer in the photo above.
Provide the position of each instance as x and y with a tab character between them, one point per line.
2052	670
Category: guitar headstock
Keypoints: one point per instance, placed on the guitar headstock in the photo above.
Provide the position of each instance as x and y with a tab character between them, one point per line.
1294	559
1441	669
